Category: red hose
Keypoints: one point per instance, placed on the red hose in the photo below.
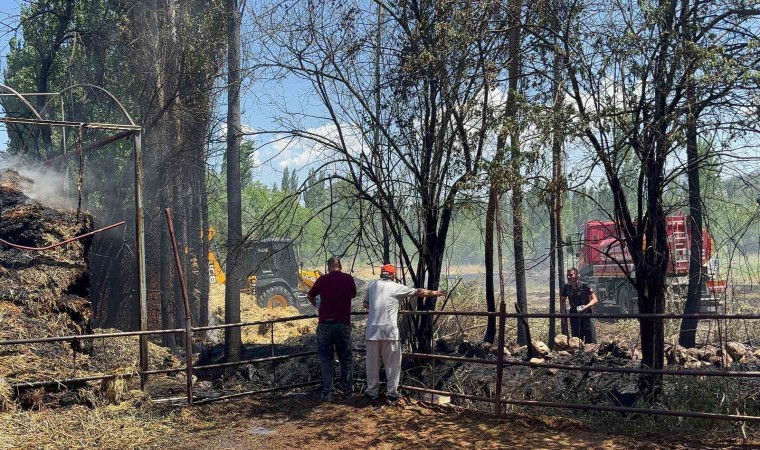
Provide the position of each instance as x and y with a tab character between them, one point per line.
22	247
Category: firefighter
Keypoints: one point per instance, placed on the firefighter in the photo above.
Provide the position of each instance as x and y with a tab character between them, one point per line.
582	298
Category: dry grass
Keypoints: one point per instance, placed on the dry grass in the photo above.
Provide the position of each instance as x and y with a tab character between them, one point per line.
250	311
131	424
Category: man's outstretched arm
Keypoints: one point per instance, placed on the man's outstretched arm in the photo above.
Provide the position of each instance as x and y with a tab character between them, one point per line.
419	292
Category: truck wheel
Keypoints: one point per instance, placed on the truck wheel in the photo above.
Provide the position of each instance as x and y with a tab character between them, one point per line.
277	297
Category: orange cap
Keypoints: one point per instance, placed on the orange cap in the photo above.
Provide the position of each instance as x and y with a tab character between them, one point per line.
389	268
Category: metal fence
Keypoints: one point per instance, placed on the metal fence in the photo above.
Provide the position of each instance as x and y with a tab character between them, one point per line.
500	363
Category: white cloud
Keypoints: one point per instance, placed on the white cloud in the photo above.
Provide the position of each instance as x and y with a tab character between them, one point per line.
318	145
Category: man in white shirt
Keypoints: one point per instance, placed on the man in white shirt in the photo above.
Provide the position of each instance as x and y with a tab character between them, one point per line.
382	336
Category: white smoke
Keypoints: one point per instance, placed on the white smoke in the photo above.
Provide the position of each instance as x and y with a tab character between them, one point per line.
49	186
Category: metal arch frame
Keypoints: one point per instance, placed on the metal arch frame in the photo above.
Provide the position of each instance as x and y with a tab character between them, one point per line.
104	90
23	100
135	131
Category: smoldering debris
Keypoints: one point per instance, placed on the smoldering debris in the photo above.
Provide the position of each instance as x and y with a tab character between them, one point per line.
38	182
46	293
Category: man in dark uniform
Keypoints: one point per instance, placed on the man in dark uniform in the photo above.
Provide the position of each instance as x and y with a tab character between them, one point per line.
582	298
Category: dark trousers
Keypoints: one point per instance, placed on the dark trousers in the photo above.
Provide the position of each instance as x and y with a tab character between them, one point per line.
332	338
583	328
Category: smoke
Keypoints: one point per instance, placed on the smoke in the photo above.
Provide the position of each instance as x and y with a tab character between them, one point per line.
48	186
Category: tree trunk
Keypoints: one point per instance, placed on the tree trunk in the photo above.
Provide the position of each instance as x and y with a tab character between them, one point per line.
558	185
489	267
688	334
650	281
519	253
203	259
552	268
515	19
561	253
386	241
234	203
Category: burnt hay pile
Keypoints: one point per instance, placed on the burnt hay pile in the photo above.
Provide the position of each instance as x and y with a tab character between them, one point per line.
45	293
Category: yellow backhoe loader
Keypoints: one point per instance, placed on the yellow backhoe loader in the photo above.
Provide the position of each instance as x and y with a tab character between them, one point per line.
275	273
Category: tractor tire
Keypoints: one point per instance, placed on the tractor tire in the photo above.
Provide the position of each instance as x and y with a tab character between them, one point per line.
277	297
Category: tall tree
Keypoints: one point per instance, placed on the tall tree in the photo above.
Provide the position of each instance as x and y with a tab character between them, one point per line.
285	181
232	341
513	130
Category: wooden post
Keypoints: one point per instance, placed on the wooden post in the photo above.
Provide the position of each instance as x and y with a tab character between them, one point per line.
500	357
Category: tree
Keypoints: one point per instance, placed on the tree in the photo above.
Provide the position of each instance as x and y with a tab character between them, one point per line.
433	128
285	182
632	101
232	341
247	151
293	183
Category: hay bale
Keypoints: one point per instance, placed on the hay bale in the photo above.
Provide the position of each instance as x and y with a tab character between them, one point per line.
41	293
250	311
113	390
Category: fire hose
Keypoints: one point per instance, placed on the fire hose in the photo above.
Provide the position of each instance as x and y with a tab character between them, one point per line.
58	244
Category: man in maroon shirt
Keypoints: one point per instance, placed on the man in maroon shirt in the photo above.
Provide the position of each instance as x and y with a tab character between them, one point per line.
335	290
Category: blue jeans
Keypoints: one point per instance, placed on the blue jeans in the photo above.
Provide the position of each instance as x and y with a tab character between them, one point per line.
335	337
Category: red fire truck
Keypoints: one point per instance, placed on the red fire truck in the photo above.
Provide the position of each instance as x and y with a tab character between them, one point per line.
603	262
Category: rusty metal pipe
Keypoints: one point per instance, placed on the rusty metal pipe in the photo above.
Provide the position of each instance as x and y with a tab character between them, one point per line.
592	316
488	362
256	360
536	403
687	372
62	382
450	313
186	304
258	322
64	123
164	371
93	146
476	398
90	336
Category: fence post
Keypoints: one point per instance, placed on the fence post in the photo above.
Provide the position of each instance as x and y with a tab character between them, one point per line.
142	276
186	304
271	347
500	357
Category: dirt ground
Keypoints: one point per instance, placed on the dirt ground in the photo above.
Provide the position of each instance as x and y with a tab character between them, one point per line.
304	423
300	421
